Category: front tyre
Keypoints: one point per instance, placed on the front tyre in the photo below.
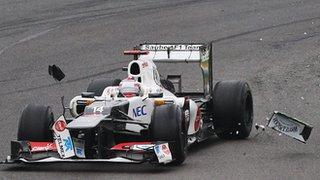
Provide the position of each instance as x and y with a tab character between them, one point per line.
168	125
35	123
232	109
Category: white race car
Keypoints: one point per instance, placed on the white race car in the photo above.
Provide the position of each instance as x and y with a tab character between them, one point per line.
141	118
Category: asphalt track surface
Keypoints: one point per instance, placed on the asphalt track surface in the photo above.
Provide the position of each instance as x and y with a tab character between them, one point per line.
274	45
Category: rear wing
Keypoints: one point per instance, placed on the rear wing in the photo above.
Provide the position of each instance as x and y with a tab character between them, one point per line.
181	52
171	52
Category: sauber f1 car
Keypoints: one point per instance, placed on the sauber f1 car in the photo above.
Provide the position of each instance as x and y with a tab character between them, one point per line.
141	118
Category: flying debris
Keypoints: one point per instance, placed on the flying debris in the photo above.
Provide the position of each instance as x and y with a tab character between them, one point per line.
290	126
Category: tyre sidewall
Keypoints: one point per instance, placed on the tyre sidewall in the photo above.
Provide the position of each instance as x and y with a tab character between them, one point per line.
229	105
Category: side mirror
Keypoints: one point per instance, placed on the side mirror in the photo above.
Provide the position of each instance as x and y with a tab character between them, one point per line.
155	95
87	94
56	72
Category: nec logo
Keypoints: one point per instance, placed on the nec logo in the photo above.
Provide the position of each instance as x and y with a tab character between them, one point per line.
139	111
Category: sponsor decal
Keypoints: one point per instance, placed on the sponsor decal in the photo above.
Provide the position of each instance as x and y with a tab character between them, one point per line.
290	126
139	111
62	138
79	147
60	145
42	146
79	151
285	126
173	47
163	153
68	144
145	64
60	125
157	149
165	149
132	145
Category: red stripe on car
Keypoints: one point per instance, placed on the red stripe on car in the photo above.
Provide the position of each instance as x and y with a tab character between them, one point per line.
127	145
42	146
197	121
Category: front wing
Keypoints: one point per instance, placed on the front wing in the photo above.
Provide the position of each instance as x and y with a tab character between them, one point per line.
129	152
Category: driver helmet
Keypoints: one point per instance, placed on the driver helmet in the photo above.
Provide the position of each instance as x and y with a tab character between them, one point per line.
130	88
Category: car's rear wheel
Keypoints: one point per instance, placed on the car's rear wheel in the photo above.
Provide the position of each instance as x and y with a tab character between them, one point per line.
168	125
99	85
35	123
232	109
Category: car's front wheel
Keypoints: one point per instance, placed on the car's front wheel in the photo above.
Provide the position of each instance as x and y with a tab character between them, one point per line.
35	123
168	125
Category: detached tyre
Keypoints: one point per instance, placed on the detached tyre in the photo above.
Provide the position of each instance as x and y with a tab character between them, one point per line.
232	109
168	125
34	124
99	85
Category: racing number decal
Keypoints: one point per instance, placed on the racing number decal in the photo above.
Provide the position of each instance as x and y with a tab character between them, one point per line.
97	110
94	110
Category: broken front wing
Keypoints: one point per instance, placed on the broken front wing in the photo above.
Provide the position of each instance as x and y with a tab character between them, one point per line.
289	126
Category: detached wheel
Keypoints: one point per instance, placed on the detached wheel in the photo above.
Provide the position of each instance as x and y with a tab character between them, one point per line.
232	109
168	125
99	85
34	124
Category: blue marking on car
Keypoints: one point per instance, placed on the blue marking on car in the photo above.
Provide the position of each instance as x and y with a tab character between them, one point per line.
79	151
68	144
157	148
139	111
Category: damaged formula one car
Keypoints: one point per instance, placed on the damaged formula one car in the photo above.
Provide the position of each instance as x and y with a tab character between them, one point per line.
139	119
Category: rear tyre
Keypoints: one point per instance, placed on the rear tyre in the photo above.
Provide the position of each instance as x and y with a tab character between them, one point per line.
99	85
232	109
168	85
167	125
35	123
